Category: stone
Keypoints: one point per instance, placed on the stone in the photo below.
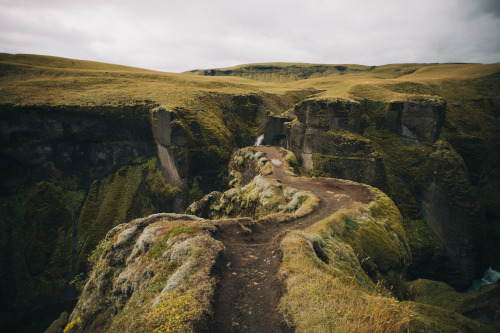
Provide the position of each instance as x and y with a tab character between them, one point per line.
420	119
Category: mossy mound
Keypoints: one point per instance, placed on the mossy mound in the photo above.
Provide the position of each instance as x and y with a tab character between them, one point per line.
261	199
152	274
345	274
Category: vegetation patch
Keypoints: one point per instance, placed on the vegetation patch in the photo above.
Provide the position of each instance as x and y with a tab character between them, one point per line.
153	275
328	271
261	199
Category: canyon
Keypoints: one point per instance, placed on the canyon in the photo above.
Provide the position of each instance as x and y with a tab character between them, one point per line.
85	151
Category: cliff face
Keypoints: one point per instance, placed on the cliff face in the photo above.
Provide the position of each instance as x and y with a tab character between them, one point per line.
420	119
75	136
283	71
326	138
337	138
450	208
69	174
171	271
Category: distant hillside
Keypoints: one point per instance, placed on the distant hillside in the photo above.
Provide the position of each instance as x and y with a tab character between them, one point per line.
282	71
300	71
57	62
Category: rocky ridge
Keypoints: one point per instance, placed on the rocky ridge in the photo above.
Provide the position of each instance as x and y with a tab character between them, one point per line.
181	272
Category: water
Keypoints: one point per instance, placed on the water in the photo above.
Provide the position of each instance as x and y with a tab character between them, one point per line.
259	140
490	276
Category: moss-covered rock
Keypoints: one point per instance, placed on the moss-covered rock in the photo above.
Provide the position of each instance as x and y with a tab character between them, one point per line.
417	118
151	274
261	198
131	192
325	138
346	273
449	206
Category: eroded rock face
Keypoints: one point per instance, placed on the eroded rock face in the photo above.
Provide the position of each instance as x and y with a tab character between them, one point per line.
74	137
259	198
69	174
325	139
274	131
450	209
420	119
324	114
172	150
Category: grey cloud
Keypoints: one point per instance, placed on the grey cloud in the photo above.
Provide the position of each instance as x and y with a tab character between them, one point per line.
178	35
490	6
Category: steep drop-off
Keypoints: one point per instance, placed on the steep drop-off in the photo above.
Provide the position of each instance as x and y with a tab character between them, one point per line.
171	272
71	173
86	146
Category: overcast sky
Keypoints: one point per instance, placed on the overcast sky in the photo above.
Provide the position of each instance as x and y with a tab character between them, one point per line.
179	35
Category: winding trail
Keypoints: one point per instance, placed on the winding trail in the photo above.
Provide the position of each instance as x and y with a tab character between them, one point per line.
250	290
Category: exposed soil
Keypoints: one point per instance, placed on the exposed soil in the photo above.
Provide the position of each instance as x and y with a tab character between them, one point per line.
250	290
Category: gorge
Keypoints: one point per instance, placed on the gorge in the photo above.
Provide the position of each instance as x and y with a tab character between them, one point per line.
90	151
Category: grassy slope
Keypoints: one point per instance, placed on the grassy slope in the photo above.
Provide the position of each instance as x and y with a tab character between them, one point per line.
28	79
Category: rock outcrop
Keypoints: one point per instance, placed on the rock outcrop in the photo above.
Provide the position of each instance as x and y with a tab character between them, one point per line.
153	273
71	173
282	71
161	272
274	131
260	198
419	119
75	137
325	137
172	150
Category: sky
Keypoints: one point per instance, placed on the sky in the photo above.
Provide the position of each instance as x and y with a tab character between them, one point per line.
181	35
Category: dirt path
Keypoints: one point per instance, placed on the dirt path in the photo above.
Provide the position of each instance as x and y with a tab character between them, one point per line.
249	292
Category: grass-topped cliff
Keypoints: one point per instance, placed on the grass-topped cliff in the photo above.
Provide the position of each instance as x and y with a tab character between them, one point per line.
86	146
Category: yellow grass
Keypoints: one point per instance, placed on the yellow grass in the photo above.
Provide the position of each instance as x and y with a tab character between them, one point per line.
31	79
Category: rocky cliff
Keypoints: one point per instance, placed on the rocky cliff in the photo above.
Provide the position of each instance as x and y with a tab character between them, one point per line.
71	174
85	147
352	140
170	271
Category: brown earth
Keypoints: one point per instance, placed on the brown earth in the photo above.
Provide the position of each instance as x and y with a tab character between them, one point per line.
250	290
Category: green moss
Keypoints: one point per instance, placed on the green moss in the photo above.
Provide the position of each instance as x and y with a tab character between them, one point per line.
421	235
327	289
160	247
405	165
127	194
195	192
350	223
436	293
132	295
47	221
343	274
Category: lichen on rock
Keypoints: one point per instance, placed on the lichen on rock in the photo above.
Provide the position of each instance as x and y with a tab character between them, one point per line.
153	273
260	198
